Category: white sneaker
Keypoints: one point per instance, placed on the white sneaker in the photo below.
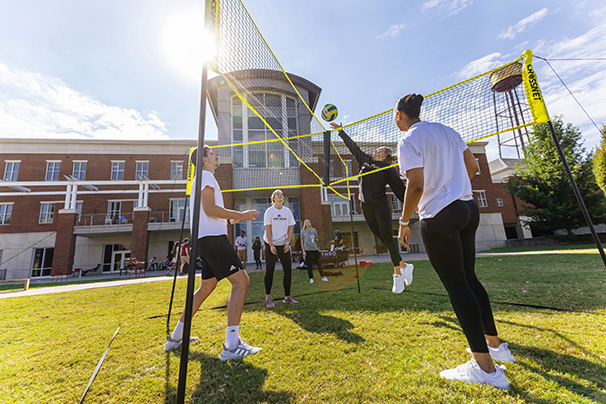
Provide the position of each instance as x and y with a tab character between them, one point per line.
324	279
238	352
500	354
398	283
171	344
471	372
311	280
407	273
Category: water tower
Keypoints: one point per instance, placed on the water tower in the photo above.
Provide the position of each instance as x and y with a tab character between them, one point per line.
509	106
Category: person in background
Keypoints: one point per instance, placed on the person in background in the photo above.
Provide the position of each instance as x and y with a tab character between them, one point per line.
338	239
184	255
256	247
309	235
174	253
439	167
241	247
279	223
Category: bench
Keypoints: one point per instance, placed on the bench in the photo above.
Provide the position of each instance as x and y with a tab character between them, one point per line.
25	281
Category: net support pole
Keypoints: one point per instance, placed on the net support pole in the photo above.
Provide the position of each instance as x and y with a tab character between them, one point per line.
576	191
177	263
326	158
353	244
196	200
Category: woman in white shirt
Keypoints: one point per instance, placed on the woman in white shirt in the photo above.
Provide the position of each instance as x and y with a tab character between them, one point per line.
439	167
279	223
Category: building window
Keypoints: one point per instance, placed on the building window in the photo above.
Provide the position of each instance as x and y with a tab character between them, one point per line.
349	172
52	170
46	213
176	210
117	170
42	262
340	207
6	210
479	171
142	170
280	113
79	172
113	211
176	170
11	170
481	198
499	202
396	205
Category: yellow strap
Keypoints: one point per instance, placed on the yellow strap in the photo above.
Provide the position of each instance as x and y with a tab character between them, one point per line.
533	92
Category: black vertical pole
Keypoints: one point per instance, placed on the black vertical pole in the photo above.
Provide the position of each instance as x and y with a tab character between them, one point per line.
576	191
178	262
195	205
353	244
326	158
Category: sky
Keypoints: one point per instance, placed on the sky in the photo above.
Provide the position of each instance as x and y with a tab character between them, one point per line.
130	69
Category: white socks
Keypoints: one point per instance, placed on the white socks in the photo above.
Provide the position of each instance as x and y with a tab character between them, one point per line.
178	333
232	337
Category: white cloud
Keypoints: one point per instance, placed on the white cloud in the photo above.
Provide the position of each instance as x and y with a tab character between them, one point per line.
482	65
393	31
532	19
33	105
451	7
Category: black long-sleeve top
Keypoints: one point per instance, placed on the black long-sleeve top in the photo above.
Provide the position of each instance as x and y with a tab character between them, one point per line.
372	186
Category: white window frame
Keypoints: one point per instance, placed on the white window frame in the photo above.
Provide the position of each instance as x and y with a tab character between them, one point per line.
141	169
289	160
114	208
481	198
176	169
42	268
500	203
55	173
76	173
47	210
177	215
13	173
6	211
478	163
116	168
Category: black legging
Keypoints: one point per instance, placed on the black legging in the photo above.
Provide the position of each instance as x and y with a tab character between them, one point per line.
257	254
378	218
270	265
313	257
449	239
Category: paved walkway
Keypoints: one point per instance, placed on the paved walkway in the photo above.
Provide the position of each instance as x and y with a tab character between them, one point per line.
160	276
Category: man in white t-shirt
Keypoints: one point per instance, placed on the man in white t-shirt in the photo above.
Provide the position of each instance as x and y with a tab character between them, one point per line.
241	246
219	260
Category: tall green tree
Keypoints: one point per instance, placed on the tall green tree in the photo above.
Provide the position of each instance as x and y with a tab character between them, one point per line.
599	162
542	182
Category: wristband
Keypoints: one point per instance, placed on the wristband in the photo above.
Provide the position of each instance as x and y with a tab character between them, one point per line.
404	223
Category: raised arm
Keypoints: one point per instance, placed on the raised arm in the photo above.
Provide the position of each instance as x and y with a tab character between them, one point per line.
355	150
396	183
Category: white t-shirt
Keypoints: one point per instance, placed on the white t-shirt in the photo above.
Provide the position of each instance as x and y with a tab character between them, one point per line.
437	149
279	219
241	243
208	225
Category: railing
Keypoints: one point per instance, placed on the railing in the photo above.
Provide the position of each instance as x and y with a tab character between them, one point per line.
167	217
103	219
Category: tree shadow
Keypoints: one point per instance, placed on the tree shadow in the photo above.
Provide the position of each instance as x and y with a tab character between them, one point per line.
226	382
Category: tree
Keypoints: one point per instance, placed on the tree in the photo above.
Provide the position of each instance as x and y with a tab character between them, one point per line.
599	162
543	185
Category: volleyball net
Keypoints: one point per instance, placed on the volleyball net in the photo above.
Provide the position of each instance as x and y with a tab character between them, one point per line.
269	128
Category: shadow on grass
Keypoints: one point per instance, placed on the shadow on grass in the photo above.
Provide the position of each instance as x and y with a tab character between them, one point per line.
226	382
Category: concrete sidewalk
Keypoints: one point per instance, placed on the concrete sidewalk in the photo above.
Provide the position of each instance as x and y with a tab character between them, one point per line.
160	276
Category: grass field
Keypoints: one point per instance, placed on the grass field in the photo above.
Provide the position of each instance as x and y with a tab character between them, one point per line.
335	346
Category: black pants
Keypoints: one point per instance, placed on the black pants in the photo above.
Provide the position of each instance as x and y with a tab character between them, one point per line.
378	218
270	265
313	257
257	254
449	239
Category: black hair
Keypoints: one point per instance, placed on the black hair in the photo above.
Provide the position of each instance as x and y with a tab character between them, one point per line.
194	154
410	104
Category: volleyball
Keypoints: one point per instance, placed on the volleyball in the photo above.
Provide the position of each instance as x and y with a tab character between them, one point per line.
329	112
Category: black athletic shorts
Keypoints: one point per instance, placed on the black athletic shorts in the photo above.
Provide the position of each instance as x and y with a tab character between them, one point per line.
218	256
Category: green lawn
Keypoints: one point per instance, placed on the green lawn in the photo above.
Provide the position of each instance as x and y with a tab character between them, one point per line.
335	346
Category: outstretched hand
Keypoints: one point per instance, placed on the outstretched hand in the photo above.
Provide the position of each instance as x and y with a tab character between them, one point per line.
336	126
